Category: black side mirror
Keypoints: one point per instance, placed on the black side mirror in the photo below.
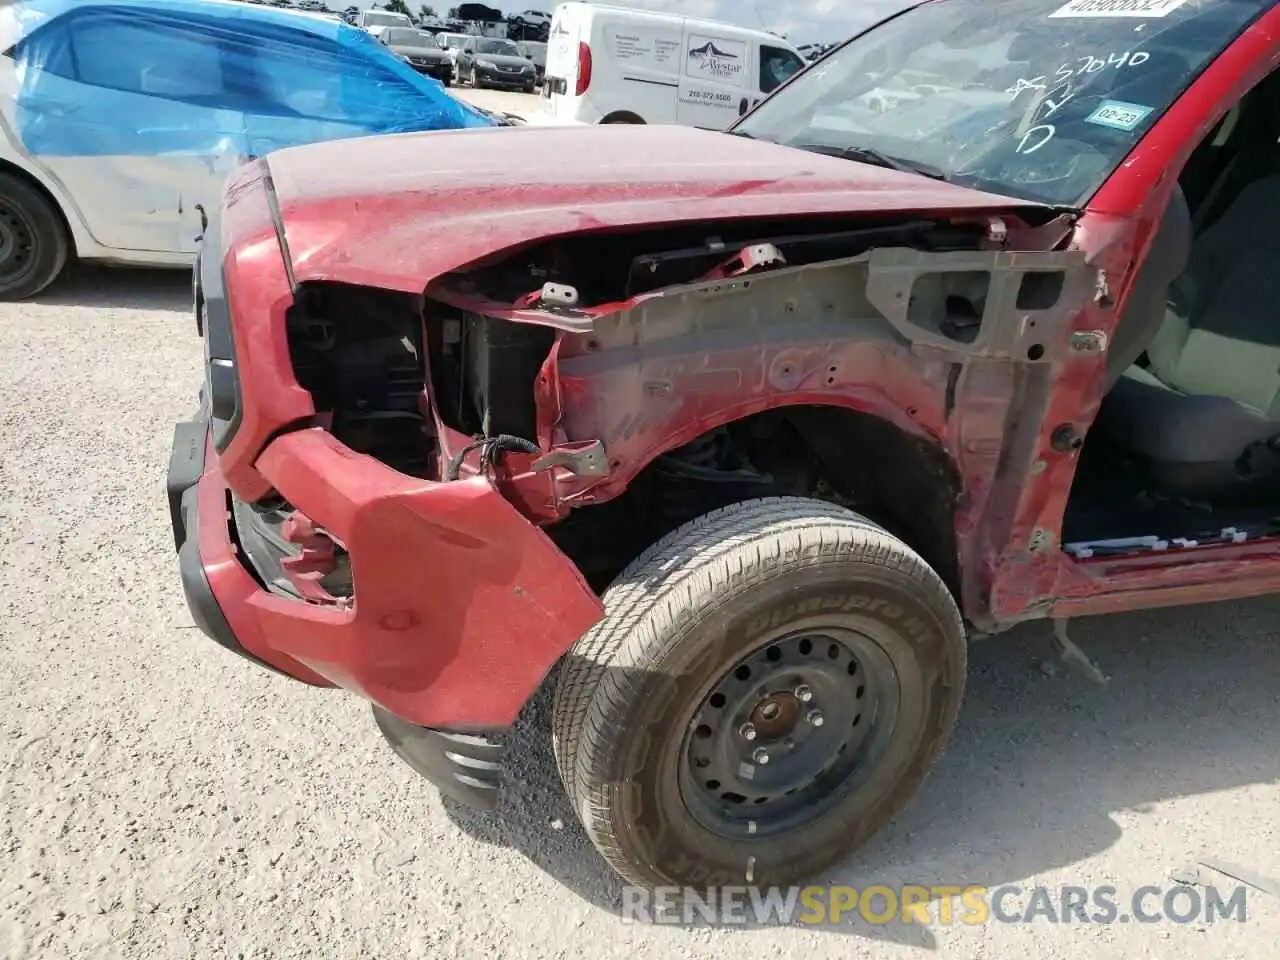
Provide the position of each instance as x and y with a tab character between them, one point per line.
742	107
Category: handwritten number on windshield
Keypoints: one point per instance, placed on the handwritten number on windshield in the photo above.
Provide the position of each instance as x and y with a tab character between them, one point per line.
1055	99
1050	103
1080	67
1035	138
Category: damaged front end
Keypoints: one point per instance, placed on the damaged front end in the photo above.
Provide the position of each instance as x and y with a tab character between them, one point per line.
419	497
317	534
660	374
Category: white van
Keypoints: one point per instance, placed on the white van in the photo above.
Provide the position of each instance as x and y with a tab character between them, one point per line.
618	65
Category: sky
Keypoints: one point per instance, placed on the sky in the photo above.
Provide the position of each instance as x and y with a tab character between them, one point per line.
801	21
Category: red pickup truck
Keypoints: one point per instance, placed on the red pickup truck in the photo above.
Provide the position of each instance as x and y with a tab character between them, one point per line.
738	438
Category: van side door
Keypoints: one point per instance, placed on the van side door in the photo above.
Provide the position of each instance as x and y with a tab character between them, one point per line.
713	79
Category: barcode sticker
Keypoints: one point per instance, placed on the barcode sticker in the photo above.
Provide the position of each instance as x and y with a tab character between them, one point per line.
1117	8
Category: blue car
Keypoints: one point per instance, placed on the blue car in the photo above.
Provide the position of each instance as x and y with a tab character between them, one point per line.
121	119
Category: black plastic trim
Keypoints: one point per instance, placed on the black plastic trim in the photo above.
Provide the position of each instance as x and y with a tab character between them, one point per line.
653	83
277	221
183	486
464	766
186	463
222	378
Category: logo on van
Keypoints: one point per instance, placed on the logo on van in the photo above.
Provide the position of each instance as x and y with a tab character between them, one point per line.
558	30
708	58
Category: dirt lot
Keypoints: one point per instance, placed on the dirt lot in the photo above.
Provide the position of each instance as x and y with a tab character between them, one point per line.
521	104
160	799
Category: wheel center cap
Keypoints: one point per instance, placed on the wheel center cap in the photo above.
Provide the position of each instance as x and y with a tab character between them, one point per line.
776	716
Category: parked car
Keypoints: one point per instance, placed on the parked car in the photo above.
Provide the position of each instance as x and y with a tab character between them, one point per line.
490	62
535	17
530	24
451	43
383	18
121	119
536	52
737	438
621	65
421	51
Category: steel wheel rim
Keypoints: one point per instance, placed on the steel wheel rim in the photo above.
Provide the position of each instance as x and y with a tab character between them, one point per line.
17	244
816	751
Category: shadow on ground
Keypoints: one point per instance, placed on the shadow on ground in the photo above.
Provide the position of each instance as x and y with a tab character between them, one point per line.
105	288
1040	763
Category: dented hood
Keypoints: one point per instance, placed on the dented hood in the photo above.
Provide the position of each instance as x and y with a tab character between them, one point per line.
399	211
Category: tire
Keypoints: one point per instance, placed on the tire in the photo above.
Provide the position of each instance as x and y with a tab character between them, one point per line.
34	246
475	81
632	711
622	118
528	89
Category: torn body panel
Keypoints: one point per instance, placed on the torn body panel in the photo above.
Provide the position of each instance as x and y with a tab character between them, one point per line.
954	348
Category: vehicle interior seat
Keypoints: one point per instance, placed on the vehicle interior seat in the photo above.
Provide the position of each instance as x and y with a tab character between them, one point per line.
1144	308
1244	150
1204	412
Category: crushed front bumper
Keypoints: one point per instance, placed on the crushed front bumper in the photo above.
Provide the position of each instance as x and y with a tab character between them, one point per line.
461	606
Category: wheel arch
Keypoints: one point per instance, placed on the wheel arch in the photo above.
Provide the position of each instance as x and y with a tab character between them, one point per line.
904	480
77	238
623	116
874	456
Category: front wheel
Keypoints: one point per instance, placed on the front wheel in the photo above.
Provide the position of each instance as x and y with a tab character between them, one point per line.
475	80
770	686
34	246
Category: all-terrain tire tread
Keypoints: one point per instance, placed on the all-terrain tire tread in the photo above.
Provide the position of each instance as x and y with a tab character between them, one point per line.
728	549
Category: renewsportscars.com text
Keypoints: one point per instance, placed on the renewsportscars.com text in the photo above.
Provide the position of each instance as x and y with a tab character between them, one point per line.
941	904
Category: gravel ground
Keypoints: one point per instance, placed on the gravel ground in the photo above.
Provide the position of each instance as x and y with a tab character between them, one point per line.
161	799
521	104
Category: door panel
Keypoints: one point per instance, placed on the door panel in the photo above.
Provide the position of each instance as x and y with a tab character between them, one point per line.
117	107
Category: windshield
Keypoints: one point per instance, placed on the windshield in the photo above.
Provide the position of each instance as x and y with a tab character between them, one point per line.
452	41
403	36
1035	99
497	48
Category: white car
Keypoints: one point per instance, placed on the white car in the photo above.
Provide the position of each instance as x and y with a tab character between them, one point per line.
120	120
452	43
382	18
536	18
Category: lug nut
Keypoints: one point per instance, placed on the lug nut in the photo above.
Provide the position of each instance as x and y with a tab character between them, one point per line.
747	731
815	718
761	756
803	693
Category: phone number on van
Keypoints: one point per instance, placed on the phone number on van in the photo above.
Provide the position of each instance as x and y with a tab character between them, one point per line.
701	96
